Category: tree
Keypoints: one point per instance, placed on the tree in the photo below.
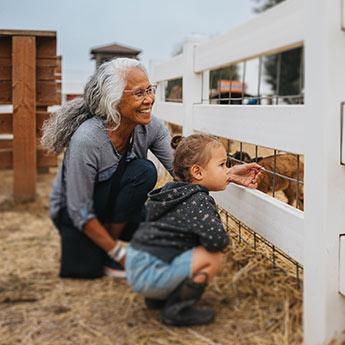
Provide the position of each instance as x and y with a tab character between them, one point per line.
265	4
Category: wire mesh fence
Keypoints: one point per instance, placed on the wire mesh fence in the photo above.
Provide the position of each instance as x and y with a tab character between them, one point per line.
276	79
266	80
173	90
242	234
283	172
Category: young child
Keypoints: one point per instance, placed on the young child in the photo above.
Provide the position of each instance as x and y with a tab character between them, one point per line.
178	250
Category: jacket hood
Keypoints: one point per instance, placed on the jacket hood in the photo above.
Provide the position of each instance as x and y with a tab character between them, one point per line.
166	198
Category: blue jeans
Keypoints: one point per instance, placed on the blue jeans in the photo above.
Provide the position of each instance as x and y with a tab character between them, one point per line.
154	278
82	258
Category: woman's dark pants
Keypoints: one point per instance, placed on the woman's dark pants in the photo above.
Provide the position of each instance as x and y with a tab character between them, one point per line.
82	258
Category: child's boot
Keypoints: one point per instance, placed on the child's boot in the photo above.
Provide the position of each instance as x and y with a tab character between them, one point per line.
152	303
178	309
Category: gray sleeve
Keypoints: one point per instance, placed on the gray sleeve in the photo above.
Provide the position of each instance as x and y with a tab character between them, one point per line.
56	196
207	224
80	175
160	146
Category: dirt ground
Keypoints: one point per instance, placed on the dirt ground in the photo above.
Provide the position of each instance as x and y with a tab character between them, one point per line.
255	303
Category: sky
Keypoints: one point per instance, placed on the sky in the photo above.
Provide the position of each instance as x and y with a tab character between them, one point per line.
157	27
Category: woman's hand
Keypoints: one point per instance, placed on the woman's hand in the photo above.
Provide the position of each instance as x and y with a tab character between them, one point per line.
245	174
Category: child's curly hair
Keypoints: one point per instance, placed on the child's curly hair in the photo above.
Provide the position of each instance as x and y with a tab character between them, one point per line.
194	149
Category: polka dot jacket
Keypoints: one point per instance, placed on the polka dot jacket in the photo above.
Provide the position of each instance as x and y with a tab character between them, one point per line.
180	216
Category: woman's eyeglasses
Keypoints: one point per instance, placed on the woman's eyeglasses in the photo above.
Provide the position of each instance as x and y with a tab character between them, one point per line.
142	93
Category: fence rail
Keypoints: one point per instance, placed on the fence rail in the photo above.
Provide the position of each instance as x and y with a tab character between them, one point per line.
169	70
277	222
279	29
270	126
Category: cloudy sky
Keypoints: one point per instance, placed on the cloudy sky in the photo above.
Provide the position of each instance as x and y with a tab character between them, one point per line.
157	27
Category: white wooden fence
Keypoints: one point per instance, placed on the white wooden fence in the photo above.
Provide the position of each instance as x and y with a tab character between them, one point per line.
312	238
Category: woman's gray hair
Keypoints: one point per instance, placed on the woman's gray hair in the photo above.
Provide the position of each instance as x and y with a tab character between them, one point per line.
102	95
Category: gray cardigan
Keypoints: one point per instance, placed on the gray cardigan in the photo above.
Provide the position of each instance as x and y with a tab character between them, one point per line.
91	157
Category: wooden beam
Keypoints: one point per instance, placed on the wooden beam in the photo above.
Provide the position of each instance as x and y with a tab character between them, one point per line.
5	92
6	119
26	33
6	159
6	123
5	68
5	144
58	78
46	47
5	47
43	159
47	93
45	73
24	117
46	68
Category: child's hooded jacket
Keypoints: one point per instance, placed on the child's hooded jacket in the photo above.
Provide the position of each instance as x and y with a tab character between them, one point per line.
180	216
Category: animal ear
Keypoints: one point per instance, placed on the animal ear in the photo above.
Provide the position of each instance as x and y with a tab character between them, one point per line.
228	160
176	139
236	155
242	156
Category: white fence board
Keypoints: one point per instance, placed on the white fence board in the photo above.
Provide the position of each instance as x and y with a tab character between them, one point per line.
170	112
171	69
274	220
274	30
280	127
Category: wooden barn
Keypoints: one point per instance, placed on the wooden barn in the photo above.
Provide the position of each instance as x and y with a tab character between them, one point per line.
108	52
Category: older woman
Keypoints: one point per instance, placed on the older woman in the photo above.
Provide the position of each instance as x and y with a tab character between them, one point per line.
102	183
101	186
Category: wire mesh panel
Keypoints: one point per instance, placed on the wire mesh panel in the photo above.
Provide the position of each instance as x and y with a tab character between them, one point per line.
267	80
240	233
283	174
173	90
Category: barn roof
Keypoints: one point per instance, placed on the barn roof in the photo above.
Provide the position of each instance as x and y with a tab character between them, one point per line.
115	48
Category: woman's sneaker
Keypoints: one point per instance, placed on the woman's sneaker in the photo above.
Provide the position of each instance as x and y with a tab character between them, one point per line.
113	269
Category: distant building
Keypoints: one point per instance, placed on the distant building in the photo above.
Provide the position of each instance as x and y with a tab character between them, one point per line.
231	92
108	52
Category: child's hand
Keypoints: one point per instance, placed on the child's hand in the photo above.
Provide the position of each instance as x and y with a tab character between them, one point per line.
245	174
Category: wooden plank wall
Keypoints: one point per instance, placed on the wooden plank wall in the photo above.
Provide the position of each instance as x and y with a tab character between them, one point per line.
30	80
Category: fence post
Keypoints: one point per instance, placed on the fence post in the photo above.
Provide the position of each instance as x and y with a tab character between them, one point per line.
24	117
191	85
324	307
206	87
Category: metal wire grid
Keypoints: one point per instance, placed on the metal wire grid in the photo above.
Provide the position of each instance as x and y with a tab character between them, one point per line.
258	99
241	233
174	100
299	181
171	94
